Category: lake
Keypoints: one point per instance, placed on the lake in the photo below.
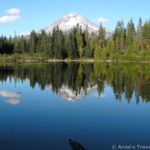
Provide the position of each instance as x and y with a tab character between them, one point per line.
74	106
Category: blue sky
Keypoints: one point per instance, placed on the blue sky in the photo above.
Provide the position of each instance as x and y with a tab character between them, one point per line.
36	14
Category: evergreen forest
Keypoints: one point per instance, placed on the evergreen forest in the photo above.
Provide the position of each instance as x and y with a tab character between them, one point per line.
126	43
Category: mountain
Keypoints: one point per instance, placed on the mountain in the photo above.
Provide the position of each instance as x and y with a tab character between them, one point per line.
67	22
68	94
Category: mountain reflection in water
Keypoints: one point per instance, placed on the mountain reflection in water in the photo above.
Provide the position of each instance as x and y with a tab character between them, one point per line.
73	81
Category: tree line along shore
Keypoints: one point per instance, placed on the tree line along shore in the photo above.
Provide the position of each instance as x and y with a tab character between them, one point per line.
127	43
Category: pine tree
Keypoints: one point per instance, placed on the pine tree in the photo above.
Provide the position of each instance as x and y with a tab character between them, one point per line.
57	43
68	45
22	45
140	34
42	42
98	52
18	45
101	37
48	50
110	48
78	39
33	42
5	46
120	36
131	36
88	52
100	43
146	34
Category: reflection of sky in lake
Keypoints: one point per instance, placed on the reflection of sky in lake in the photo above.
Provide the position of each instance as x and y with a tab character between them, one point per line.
45	121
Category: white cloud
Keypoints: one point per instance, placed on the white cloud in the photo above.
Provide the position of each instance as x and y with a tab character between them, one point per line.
12	14
11	97
7	19
13	101
13	11
10	94
102	20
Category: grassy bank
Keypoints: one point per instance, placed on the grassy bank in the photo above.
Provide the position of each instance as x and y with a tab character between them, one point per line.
117	57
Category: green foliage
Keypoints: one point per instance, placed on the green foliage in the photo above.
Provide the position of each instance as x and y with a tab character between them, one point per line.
69	45
6	46
101	37
88	53
140	38
20	45
100	43
57	43
98	52
131	37
42	42
78	40
146	35
109	49
120	36
33	42
125	43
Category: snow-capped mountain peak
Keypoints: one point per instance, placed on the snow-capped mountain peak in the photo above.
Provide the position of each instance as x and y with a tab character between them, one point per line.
67	22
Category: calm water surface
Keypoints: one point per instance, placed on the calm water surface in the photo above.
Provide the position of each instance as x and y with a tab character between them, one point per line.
58	106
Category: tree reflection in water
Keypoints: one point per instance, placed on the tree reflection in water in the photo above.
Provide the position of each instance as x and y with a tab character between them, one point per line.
125	79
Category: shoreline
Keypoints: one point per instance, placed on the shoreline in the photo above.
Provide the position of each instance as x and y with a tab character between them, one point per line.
43	58
10	60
